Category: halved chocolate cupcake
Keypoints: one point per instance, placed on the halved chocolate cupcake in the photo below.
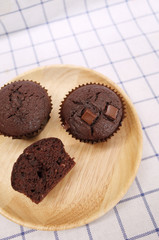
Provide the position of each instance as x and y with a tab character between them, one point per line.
92	112
40	167
24	109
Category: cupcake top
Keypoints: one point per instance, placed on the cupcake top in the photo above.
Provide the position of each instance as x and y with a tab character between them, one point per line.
24	109
92	113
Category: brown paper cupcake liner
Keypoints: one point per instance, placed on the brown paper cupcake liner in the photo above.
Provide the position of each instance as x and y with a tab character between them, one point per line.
34	133
94	141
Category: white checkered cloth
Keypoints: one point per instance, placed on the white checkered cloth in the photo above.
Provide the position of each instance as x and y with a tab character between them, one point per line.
119	38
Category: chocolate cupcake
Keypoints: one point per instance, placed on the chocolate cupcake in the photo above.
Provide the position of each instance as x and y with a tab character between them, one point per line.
24	109
40	167
92	113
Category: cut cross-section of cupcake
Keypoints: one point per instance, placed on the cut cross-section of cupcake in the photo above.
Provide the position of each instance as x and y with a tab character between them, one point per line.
92	112
24	109
40	167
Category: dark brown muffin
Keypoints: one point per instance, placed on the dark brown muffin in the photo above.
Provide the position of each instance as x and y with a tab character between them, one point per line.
92	113
24	109
40	167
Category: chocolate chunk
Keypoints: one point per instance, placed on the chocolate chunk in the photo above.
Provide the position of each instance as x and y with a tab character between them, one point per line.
111	112
88	116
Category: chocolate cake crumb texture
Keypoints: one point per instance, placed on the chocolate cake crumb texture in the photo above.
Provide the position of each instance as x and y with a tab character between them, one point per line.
40	167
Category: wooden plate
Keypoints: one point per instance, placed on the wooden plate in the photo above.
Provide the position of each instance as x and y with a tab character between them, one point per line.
103	171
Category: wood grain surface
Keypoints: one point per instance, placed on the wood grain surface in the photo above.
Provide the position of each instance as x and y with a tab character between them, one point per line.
102	174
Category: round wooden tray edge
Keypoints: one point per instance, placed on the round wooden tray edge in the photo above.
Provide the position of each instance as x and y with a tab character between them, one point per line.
113	203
